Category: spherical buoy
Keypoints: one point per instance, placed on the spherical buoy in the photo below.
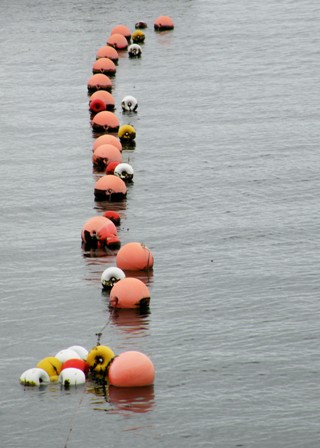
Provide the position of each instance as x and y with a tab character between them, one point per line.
65	354
141	25
51	365
99	232
99	358
109	139
113	216
97	105
138	36
124	171
134	257
129	103
110	188
76	364
163	23
123	30
111	167
105	121
99	82
108	52
71	377
110	276
134	51
106	97
126	133
82	352
34	377
117	41
131	369
105	66
104	154
130	292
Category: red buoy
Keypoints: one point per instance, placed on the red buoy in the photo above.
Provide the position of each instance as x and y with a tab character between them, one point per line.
104	96
105	121
117	41
111	167
104	154
131	369
107	138
129	292
99	82
134	257
108	188
98	232
96	106
76	364
105	66
108	52
113	216
163	23
122	29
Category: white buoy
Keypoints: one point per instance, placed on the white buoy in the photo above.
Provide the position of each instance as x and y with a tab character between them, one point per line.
71	377
124	171
110	276
82	352
129	103
34	377
134	51
66	354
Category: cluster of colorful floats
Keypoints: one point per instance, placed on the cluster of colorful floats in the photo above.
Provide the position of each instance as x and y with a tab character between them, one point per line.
73	366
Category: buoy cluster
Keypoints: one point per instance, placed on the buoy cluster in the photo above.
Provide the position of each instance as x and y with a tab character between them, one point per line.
74	365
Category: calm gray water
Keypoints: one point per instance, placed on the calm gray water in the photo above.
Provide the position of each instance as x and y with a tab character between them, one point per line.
225	196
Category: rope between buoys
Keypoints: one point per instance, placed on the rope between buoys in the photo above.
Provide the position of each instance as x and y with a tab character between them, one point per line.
73	419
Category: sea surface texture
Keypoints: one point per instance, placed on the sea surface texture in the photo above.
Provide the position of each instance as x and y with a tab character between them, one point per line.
225	195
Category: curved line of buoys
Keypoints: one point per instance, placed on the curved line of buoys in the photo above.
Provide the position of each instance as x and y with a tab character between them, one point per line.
73	365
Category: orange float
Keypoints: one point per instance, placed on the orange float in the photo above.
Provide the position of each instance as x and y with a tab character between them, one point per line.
111	167
99	81
129	292
96	106
104	154
99	232
108	188
123	30
134	257
113	216
105	121
104	96
105	66
163	23
76	364
131	369
107	138
117	41
108	52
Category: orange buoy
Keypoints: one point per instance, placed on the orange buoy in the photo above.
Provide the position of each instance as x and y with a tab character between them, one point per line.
117	41
99	81
129	292
105	121
108	52
111	167
131	369
105	66
104	96
122	29
138	37
104	154
113	216
96	106
108	188
107	138
98	232
163	23
134	257
76	364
